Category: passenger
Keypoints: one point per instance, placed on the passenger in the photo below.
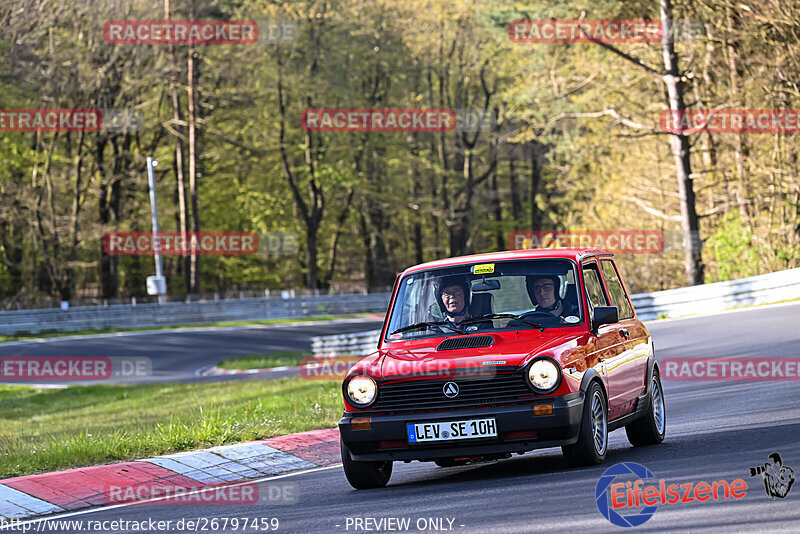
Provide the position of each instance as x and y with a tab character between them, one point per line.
547	292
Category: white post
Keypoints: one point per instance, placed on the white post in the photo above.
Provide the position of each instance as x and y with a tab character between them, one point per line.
151	163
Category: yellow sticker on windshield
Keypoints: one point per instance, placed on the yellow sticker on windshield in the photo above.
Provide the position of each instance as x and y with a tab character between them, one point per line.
484	268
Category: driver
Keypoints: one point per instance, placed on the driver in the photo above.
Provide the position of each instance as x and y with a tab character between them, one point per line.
547	292
453	296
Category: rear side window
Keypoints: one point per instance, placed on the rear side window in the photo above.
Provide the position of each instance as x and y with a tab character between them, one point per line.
594	289
615	288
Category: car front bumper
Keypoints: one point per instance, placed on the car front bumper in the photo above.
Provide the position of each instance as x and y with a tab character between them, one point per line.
518	430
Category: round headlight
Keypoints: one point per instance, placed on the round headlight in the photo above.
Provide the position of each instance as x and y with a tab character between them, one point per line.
544	375
361	390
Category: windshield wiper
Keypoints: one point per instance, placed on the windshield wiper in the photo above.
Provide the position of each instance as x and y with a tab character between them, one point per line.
418	326
490	316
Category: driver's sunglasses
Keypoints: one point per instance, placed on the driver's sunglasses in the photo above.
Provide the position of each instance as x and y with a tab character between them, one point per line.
543	287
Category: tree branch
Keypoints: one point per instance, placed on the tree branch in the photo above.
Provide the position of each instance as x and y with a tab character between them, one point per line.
606	112
652	211
636	61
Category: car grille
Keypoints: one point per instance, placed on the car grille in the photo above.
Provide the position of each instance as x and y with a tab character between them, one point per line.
428	394
465	342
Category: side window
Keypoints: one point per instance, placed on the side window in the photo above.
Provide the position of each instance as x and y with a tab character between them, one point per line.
615	288
594	288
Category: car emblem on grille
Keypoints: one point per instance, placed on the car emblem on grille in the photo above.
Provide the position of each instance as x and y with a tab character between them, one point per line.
450	389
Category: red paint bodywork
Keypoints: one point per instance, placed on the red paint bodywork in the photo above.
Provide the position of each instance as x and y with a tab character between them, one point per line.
621	362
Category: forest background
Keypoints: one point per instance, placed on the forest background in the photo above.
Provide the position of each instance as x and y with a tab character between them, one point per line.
573	141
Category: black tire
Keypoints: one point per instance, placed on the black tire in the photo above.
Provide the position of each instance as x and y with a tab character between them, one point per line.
650	428
592	444
364	475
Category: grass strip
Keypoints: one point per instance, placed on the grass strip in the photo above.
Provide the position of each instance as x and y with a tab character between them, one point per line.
266	361
43	430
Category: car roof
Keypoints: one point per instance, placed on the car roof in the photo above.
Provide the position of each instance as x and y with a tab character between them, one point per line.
576	254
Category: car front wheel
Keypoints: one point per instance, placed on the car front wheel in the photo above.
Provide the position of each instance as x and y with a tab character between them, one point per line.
592	444
650	429
364	475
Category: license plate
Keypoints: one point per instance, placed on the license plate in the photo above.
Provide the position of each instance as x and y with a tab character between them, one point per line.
451	430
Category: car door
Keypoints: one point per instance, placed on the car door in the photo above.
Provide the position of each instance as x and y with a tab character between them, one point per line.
608	344
629	375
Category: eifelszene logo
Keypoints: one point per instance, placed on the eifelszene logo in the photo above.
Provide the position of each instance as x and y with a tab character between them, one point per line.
777	478
605	502
622	489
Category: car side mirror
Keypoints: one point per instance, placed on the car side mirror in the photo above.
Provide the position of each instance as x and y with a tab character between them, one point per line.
604	315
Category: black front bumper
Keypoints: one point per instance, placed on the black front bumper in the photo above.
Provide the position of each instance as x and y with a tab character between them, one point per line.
387	437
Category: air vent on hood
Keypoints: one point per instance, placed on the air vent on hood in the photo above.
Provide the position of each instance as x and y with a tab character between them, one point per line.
465	342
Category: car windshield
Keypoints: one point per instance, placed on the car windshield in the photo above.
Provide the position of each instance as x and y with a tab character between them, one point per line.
480	297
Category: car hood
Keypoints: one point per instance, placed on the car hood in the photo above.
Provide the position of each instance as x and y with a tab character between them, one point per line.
506	354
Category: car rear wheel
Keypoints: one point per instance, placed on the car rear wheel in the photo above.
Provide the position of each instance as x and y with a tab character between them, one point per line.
650	429
364	475
592	444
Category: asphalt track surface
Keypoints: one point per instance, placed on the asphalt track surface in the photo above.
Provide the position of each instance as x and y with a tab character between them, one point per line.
715	430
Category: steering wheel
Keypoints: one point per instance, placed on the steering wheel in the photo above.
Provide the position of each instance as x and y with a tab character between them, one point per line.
530	316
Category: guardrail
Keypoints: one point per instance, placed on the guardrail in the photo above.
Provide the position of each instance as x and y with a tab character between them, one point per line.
187	313
704	299
358	344
719	296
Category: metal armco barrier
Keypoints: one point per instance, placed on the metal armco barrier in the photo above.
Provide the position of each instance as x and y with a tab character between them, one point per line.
358	344
188	313
710	298
693	300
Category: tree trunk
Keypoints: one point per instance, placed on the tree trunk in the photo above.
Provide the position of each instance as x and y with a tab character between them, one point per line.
326	283
313	209
416	223
108	266
192	79
177	119
516	200
741	151
536	181
682	153
497	209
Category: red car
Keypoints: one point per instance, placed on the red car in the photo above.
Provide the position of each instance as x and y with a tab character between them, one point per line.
488	355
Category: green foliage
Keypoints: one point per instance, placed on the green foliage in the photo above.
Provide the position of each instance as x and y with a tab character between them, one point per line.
589	114
733	249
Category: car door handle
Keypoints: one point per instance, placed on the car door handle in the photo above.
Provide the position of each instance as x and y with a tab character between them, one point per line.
624	332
